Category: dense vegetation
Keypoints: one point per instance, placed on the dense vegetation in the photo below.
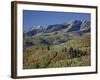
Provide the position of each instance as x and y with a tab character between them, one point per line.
75	52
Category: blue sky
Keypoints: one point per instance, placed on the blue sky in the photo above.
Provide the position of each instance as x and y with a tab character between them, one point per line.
44	18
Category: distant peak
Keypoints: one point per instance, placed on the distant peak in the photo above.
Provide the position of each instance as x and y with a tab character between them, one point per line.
72	21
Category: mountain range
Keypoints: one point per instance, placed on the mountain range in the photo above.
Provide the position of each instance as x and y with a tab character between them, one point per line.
56	33
75	25
58	45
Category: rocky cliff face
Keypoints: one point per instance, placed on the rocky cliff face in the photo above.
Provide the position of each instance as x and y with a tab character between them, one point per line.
85	26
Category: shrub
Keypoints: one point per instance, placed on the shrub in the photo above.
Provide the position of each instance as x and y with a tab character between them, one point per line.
76	52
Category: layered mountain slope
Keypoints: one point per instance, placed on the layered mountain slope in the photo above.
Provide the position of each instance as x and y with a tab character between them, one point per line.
57	33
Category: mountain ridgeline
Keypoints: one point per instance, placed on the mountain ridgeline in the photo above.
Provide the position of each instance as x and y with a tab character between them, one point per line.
70	26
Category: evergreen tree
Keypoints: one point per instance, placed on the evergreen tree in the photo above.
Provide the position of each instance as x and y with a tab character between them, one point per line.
48	48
